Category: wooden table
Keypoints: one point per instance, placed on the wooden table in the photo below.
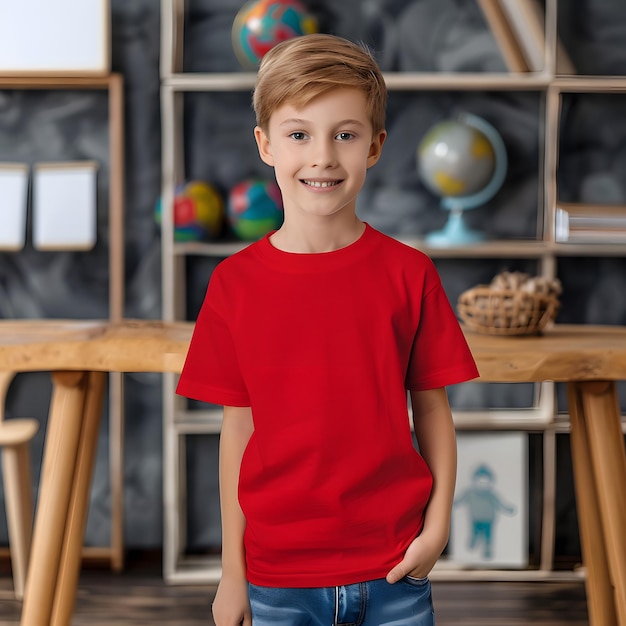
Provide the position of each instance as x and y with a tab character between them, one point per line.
79	355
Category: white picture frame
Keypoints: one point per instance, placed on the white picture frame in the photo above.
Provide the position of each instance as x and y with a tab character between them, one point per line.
65	205
13	205
55	37
490	512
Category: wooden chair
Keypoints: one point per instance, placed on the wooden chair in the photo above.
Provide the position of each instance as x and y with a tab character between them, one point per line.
15	437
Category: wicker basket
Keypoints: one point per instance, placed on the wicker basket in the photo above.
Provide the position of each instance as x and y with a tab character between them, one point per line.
505	312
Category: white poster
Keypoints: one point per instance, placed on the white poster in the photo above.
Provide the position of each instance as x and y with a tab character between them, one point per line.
13	203
490	511
64	206
54	36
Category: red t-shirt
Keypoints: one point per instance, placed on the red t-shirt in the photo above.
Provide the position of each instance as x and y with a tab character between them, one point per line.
323	348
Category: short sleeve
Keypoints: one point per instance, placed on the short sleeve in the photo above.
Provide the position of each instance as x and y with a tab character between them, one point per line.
211	371
440	354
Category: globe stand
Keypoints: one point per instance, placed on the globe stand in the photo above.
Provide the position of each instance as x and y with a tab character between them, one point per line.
455	232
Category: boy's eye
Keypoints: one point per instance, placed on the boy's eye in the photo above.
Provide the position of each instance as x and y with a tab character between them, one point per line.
344	136
298	136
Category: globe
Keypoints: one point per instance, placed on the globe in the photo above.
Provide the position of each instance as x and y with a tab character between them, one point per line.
261	24
464	162
456	159
254	208
199	211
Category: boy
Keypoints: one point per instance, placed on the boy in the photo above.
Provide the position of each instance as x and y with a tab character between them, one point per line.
310	339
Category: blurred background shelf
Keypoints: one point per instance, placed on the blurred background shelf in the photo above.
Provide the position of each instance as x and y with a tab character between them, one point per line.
530	102
113	86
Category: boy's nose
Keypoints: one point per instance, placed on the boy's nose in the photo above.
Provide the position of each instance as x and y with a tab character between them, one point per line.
324	154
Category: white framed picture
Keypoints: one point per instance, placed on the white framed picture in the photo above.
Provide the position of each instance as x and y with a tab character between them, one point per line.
490	511
55	37
65	205
13	205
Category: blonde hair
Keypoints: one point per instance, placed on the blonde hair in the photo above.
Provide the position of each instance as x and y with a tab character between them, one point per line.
299	69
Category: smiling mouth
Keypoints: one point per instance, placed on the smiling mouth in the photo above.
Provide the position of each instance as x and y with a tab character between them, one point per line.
321	184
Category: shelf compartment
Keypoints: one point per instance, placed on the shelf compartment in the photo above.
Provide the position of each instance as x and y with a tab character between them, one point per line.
113	86
586	84
396	81
513	248
199	570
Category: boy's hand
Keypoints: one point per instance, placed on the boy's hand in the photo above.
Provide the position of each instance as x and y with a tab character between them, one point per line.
231	606
419	559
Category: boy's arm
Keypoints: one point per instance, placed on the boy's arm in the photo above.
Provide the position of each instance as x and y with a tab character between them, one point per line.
231	605
434	429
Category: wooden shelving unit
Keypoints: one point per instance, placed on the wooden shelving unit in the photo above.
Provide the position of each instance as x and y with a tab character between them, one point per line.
113	85
178	423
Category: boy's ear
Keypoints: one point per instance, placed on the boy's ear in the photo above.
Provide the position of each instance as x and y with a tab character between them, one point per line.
376	147
264	146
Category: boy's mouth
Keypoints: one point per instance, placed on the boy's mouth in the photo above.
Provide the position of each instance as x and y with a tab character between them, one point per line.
321	184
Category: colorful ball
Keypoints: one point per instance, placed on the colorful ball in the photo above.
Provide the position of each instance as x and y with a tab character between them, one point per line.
255	207
198	212
261	24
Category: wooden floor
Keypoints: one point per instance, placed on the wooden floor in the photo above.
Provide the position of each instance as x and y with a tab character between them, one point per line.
139	597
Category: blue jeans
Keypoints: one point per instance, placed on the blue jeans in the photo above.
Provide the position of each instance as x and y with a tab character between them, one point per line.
374	603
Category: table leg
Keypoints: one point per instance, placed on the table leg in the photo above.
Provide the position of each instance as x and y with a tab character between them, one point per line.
598	422
600	602
603	424
61	448
70	563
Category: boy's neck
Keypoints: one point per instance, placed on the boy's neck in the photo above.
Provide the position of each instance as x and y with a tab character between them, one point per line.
318	237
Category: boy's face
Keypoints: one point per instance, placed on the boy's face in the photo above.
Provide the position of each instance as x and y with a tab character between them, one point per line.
321	152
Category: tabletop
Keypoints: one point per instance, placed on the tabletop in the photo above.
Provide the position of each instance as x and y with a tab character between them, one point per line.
561	353
93	345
